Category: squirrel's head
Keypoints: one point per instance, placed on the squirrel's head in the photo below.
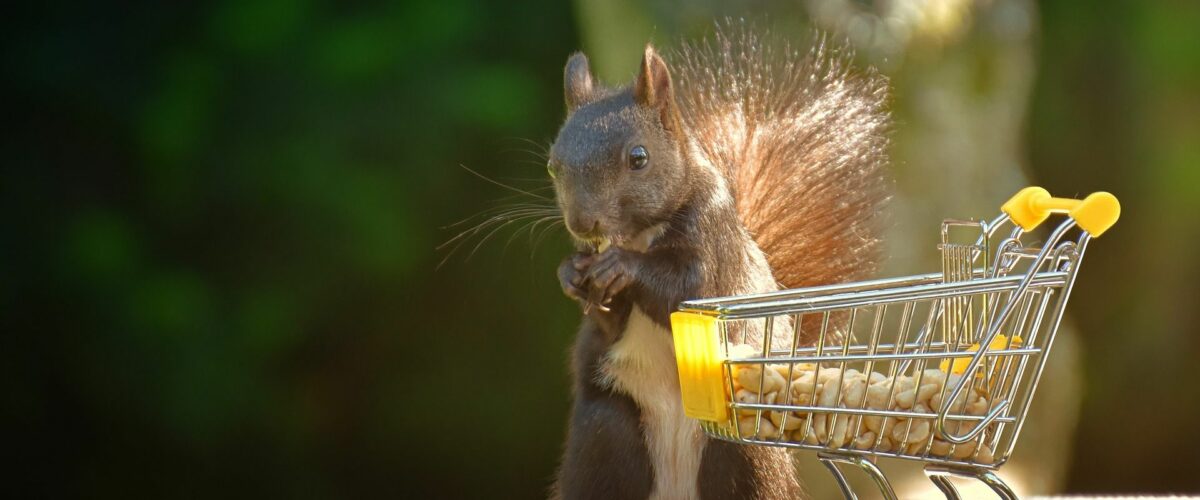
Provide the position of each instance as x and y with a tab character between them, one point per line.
619	163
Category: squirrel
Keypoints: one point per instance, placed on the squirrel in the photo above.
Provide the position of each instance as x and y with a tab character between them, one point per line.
742	167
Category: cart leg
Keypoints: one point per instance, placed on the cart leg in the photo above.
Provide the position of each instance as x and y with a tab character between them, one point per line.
841	479
941	478
943	483
830	460
1000	487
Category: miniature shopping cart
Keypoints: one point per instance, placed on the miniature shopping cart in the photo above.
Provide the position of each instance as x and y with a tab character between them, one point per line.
938	368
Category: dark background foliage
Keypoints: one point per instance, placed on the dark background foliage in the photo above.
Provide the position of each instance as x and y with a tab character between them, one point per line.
220	272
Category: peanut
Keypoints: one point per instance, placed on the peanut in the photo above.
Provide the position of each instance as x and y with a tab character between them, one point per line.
878	395
802	390
978	408
828	395
918	432
791	371
755	378
854	390
833	387
819	426
746	397
799	436
963	451
793	421
985	455
880	425
933	376
904	385
838	435
827	374
877	377
865	441
766	430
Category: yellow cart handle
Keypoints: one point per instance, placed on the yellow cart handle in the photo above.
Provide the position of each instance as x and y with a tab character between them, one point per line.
1032	205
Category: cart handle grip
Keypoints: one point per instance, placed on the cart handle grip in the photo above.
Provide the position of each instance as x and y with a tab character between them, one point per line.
1032	205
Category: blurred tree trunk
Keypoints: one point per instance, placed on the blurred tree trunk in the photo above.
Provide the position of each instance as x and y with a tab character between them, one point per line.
962	73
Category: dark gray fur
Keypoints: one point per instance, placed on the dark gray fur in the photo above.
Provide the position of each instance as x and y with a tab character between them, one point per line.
705	250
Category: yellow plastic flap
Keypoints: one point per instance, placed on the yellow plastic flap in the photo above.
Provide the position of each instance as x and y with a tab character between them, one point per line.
960	362
699	359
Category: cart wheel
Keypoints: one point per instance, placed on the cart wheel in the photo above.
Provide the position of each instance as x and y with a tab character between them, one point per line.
832	459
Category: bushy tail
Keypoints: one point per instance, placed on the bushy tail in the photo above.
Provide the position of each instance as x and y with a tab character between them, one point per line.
802	138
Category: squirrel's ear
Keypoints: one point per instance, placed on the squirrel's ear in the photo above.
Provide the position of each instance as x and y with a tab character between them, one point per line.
652	88
577	81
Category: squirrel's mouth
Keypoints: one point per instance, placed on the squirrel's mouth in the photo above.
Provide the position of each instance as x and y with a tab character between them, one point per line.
622	237
638	242
601	243
598	243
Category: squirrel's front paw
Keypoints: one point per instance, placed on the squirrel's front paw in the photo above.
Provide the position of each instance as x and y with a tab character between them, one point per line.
572	273
611	272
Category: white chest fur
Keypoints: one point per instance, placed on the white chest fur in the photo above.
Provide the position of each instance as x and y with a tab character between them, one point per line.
642	365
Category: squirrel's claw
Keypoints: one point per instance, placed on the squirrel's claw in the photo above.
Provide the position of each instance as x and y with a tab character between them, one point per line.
610	274
595	279
572	279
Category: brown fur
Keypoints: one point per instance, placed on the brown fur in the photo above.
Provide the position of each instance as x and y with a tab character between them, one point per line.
803	139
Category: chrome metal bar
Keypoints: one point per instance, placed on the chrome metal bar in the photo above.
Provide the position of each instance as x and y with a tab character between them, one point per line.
768	323
905	326
837	394
1020	291
831	459
727	308
877	284
787	394
855	411
881	347
1006	366
985	343
843	485
986	476
936	310
876	329
942	482
1031	338
723	329
878	357
999	486
948	462
808	422
1052	329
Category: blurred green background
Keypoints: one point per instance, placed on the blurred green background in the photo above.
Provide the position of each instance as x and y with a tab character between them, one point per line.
221	278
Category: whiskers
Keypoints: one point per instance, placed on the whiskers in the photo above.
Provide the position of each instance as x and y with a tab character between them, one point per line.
506	186
530	211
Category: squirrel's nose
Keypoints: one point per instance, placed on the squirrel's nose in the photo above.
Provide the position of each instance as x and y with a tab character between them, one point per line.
584	226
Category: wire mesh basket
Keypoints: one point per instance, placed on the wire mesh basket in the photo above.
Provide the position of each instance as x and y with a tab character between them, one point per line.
938	368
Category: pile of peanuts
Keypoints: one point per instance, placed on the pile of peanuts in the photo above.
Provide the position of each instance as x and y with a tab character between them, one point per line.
808	386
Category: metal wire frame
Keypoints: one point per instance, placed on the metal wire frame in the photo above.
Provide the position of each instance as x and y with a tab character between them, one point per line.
1019	290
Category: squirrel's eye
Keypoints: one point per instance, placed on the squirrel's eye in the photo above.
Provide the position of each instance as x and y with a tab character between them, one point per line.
550	170
638	157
